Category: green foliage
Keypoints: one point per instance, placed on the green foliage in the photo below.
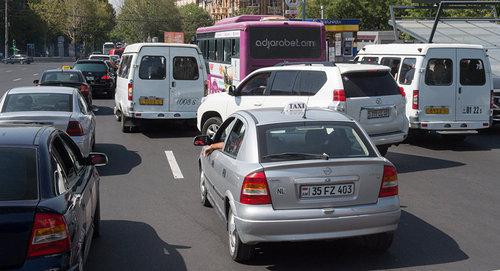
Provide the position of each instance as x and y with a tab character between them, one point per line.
247	11
193	17
140	19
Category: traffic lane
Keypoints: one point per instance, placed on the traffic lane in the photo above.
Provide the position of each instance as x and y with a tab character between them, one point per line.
171	208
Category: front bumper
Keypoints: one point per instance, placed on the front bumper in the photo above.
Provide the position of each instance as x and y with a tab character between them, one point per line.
257	224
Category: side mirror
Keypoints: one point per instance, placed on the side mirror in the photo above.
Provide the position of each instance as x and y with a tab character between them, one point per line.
231	90
98	159
202	140
36	82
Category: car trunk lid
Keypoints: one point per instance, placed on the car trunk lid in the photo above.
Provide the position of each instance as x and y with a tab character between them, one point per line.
53	118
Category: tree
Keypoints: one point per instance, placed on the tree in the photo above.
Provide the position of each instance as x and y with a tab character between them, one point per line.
193	17
140	19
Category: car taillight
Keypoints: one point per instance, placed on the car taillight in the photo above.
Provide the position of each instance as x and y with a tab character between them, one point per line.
105	77
84	89
49	235
130	91
402	91
414	104
389	186
254	189
74	128
339	95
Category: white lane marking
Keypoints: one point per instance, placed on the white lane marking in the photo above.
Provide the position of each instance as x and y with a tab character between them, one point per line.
8	71
24	69
17	79
35	74
173	165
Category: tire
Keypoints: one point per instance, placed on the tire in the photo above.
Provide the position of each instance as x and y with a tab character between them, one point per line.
97	220
126	128
383	149
204	192
118	115
211	126
379	243
239	251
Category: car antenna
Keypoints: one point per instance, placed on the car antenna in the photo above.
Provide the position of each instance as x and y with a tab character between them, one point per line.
305	108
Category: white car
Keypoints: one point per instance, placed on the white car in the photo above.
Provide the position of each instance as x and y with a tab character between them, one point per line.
367	93
61	107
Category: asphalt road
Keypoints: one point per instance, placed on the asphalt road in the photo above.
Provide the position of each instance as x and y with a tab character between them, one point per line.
450	198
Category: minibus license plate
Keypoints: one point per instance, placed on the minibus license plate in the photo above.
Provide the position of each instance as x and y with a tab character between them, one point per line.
437	110
150	101
321	191
378	113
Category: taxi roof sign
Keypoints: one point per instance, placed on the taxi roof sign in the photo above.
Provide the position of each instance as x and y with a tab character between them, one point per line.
66	67
295	108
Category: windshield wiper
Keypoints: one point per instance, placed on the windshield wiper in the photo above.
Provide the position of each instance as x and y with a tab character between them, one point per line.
297	155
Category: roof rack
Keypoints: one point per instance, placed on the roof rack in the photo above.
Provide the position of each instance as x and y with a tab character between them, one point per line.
324	63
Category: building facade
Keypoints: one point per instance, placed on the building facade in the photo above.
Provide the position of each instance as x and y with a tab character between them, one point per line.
220	9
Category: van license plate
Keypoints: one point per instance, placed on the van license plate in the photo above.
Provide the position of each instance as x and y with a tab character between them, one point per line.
378	113
437	110
320	191
150	101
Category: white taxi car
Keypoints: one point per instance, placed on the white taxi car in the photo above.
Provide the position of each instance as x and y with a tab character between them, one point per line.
281	176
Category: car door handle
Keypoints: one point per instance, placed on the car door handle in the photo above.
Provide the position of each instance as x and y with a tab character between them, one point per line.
173	84
460	90
224	172
212	163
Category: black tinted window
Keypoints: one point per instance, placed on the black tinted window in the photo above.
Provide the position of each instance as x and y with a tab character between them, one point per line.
59	150
393	63
308	83
367	84
472	72
125	66
283	83
153	68
38	102
91	67
18	174
439	72
255	85
369	60
185	68
72	77
407	71
235	138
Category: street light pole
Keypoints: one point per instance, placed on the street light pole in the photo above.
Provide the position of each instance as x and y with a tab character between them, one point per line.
6	43
303	10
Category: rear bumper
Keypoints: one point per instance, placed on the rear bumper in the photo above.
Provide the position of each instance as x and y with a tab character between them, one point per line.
102	88
161	115
455	126
57	262
388	138
257	224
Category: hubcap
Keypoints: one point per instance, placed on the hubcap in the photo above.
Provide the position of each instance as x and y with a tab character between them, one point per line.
231	227
212	129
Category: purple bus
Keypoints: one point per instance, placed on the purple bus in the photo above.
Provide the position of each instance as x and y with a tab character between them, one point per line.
234	47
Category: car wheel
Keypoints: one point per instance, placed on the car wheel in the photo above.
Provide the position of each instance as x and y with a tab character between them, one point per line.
203	191
383	149
379	243
118	115
239	251
127	128
211	126
97	220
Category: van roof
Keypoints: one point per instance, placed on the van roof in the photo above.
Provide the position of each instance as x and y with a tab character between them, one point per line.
410	49
136	47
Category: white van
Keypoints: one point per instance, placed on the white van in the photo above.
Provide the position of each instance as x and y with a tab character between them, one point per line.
159	81
448	86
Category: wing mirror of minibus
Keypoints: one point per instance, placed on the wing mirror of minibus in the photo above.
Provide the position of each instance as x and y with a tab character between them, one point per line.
231	90
36	82
202	140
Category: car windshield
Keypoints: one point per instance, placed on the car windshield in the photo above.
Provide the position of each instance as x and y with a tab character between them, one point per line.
70	77
24	102
91	67
311	140
18	174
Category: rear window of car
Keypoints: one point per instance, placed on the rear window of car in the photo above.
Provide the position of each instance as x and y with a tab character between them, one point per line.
335	139
24	102
91	67
368	84
18	174
72	77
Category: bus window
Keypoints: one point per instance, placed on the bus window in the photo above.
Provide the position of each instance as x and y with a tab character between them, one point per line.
219	52
236	48
211	50
228	46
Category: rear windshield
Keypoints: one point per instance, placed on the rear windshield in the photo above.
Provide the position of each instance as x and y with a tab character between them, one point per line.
38	102
91	67
367	84
18	174
335	139
71	77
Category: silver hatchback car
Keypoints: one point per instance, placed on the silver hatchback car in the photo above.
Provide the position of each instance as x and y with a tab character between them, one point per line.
276	175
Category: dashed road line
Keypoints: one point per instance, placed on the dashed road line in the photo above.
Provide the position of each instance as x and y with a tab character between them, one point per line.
17	79
176	171
35	74
8	71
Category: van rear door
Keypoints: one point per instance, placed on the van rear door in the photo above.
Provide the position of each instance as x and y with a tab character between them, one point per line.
151	83
474	86
438	87
186	77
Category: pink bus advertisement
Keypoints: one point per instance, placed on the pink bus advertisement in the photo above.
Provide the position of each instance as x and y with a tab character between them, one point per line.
234	47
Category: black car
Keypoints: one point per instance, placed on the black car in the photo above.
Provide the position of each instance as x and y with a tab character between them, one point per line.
98	75
66	78
49	199
22	59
